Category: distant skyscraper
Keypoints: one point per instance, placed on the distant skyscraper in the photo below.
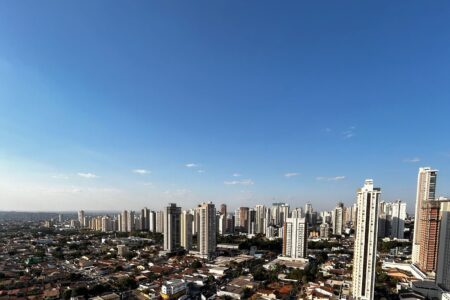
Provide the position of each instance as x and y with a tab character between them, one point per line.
222	224
324	230
429	236
145	219
172	227
160	221
186	229
295	234
152	221
365	252
398	219
297	213
131	222
251	221
82	218
244	218
223	209
426	191
259	219
207	234
443	267
280	212
337	218
124	219
237	218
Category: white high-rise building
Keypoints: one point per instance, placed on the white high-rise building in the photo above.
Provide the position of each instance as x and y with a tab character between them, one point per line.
131	222
207	233
365	252
280	212
152	221
426	191
124	221
295	234
398	219
259	219
337	219
159	222
222	224
324	230
82	218
237	218
187	220
443	262
172	227
297	213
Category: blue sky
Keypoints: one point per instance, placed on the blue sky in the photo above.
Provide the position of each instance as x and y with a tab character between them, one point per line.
241	102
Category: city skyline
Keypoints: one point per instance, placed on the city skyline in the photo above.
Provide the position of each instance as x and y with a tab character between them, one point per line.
124	107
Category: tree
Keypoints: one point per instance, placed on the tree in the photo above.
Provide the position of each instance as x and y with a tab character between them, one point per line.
67	294
126	283
196	264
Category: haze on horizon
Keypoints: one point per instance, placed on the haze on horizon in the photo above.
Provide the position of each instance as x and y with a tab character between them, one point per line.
113	105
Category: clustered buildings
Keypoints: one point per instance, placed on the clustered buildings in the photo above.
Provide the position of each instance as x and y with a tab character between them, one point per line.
360	226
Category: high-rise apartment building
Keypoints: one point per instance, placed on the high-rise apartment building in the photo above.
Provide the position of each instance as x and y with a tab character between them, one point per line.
398	219
365	252
426	191
392	219
145	219
244	218
237	219
187	220
82	218
324	230
124	221
159	221
429	236
259	219
131	225
337	219
295	235
280	212
443	262
223	209
172	227
207	232
152	221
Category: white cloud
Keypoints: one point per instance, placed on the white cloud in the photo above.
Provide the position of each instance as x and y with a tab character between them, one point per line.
87	175
191	165
336	178
60	176
292	174
141	171
240	182
201	171
237	175
349	133
412	160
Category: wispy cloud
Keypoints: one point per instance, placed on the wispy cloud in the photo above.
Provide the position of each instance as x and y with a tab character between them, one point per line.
349	133
240	182
141	171
200	171
237	175
191	165
87	175
292	174
327	130
60	176
411	160
336	178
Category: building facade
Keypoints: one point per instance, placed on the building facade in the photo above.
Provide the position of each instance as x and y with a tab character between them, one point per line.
365	251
